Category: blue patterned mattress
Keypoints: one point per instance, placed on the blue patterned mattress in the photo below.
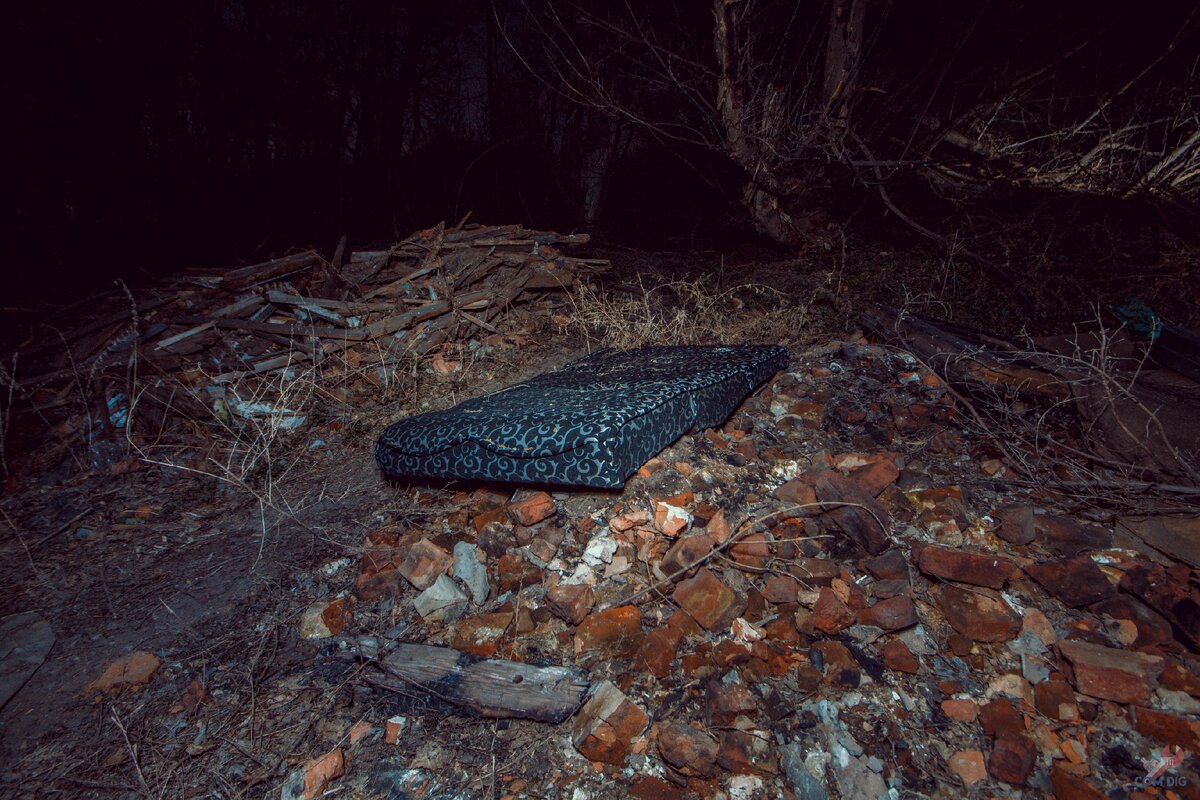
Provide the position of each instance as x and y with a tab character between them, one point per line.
591	423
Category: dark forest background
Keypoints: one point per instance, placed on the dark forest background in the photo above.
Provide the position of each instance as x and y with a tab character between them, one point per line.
145	137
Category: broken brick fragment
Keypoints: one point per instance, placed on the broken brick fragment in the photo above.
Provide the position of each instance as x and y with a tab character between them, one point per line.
747	752
830	614
977	569
532	509
978	616
604	729
423	562
713	604
855	511
1122	676
659	649
571	602
893	614
1012	759
897	657
614	633
689	751
1077	582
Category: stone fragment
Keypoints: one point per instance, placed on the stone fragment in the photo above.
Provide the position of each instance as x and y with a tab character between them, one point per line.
1012	758
1177	537
897	657
893	614
1077	582
799	492
977	569
815	571
1168	593
713	604
394	728
659	649
481	635
747	752
423	563
864	520
1035	623
132	671
1122	676
470	570
632	519
830	614
614	633
651	787
978	616
1178	678
688	750
604	729
570	602
1016	524
969	766
443	601
326	618
1056	700
1065	536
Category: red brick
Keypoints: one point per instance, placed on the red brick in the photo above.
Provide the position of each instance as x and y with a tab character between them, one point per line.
1167	728
1012	759
713	604
604	729
615	633
893	614
977	569
830	614
1123	676
532	509
899	658
978	616
745	753
423	562
689	751
659	650
570	602
481	635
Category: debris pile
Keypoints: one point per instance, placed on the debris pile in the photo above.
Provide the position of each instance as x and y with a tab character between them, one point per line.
834	595
227	337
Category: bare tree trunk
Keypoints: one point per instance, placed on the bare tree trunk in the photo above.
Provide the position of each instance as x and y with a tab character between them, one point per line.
843	55
765	190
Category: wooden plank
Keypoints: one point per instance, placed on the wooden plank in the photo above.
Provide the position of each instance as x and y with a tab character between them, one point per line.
485	687
268	270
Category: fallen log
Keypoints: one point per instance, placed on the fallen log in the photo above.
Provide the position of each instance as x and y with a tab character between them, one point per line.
484	687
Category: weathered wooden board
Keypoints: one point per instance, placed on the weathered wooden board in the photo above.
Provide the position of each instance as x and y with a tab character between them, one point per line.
486	687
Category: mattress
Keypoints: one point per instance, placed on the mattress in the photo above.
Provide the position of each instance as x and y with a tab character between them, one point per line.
591	423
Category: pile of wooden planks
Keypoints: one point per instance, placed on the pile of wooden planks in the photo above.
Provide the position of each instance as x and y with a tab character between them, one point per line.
438	286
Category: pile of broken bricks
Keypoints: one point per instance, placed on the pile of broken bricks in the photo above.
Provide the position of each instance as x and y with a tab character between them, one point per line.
837	594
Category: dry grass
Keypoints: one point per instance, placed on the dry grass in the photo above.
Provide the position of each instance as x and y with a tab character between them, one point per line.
684	313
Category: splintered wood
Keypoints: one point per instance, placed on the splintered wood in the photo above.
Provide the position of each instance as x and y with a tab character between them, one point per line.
438	287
